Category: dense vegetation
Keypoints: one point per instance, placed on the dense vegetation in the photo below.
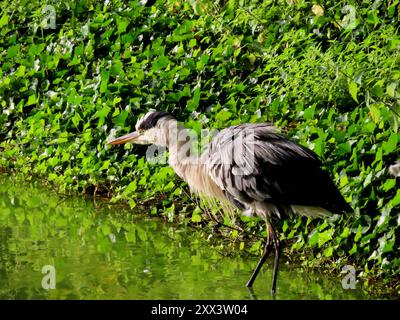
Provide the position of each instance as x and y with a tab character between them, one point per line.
327	74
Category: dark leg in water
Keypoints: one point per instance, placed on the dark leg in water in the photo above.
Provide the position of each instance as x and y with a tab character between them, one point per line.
268	246
252	294
267	251
275	240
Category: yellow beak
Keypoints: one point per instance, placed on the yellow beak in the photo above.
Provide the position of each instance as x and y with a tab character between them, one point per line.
130	137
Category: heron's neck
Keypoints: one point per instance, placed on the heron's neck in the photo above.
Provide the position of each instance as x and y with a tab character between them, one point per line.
181	153
189	164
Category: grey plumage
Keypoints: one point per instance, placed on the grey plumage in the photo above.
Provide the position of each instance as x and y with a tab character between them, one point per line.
394	169
283	173
254	167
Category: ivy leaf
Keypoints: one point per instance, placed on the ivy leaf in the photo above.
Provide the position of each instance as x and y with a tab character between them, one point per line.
324	237
328	252
396	200
196	217
117	68
223	115
13	51
194	102
31	100
122	24
105	76
4	20
390	145
161	63
353	89
372	18
353	249
391	89
375	112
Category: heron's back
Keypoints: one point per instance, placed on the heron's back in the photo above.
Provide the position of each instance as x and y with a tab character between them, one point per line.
261	171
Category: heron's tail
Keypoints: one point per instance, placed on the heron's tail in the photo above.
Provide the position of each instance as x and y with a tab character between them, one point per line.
334	200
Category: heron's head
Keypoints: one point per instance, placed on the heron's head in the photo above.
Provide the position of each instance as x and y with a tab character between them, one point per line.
152	128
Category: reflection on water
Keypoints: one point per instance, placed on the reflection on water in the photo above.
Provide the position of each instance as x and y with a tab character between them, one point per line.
110	253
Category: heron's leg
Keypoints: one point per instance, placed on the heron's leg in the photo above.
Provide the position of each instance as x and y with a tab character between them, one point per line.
275	240
267	251
252	294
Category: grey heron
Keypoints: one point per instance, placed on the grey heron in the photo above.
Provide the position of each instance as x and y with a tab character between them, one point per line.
253	167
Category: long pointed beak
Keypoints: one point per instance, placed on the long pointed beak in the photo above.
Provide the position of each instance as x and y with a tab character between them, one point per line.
130	137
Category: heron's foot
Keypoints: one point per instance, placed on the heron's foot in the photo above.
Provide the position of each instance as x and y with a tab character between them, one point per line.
273	294
251	293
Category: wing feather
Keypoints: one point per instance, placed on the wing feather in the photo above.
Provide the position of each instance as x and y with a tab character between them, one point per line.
253	162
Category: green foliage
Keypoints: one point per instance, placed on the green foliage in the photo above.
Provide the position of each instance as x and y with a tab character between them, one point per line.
330	79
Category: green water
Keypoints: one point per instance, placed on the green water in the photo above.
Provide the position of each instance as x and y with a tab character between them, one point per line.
100	251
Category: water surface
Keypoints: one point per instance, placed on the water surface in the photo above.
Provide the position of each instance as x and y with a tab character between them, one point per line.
100	251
